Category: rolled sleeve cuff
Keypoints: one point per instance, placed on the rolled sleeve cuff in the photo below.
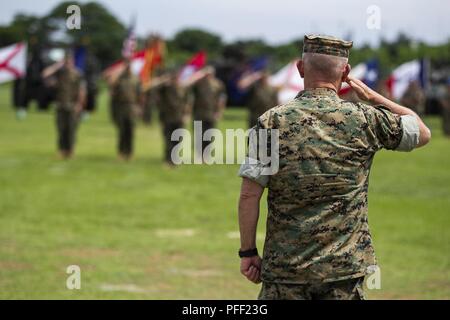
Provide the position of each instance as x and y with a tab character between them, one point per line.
411	133
253	169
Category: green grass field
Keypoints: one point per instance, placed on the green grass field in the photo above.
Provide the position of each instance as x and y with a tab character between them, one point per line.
141	231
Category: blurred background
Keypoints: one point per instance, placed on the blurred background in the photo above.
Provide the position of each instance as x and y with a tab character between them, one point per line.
141	230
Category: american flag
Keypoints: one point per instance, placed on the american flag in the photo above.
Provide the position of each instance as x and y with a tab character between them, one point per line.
129	44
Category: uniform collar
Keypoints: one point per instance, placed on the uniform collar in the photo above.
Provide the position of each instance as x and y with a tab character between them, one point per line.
317	92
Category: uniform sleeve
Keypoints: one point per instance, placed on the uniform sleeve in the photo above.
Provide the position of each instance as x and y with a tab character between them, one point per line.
384	128
411	133
255	168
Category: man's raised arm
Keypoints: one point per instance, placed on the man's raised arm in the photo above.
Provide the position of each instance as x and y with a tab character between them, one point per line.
367	94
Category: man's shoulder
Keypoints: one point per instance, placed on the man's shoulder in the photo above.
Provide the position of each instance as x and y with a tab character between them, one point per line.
298	105
370	110
354	105
284	107
277	112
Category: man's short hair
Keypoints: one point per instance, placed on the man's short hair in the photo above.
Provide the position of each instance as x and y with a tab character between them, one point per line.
328	67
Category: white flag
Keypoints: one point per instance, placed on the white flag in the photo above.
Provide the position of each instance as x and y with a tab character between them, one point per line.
288	81
13	61
402	76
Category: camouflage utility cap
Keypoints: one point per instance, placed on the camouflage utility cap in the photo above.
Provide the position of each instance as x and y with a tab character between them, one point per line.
326	45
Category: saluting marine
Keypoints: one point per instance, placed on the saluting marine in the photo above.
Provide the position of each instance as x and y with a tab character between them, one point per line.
261	95
125	93
209	100
173	107
318	244
70	99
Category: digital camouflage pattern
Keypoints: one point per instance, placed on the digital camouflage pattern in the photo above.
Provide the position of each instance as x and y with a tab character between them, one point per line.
317	226
326	45
262	97
207	92
351	289
67	88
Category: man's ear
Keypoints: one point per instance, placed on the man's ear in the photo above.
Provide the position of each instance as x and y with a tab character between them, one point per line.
347	70
301	68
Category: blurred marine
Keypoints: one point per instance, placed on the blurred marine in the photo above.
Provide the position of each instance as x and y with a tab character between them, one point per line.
261	97
173	106
70	99
318	244
209	100
125	93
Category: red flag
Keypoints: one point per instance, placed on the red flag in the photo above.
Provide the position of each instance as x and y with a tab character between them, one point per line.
197	62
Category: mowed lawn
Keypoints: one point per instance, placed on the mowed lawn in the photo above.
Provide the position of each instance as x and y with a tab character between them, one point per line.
139	230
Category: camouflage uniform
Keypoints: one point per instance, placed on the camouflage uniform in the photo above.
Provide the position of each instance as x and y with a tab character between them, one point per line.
262	97
68	87
318	236
172	108
124	98
317	227
207	93
351	289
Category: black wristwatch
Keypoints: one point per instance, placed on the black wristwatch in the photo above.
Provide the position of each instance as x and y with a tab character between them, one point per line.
248	253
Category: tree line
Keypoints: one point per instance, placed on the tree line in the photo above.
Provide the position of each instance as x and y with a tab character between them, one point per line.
104	33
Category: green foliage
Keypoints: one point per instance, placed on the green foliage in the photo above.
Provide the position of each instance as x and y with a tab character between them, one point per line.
194	40
390	54
25	27
105	34
287	52
101	30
